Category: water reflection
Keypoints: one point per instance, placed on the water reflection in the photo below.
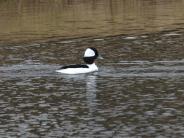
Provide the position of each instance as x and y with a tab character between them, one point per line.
37	19
91	90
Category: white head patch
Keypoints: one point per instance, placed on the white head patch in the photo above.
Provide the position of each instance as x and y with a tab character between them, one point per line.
89	53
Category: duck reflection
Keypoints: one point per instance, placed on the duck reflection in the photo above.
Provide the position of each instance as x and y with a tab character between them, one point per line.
91	90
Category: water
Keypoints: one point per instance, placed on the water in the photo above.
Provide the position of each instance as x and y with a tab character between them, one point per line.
137	92
39	20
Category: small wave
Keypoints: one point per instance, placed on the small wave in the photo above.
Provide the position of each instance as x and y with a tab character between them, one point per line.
174	68
145	62
172	34
27	70
130	37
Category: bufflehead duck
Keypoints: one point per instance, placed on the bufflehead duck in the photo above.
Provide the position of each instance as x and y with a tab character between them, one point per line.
89	58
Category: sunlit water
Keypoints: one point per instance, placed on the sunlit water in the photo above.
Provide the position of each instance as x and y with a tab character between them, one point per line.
137	92
22	20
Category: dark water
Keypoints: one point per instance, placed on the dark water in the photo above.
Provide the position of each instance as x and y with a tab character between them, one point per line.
138	91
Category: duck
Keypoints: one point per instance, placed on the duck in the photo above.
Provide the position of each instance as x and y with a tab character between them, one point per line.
90	55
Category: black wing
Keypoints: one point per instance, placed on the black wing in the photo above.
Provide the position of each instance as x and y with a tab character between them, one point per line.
74	66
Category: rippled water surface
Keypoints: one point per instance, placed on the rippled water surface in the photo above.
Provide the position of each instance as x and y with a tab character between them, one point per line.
137	92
